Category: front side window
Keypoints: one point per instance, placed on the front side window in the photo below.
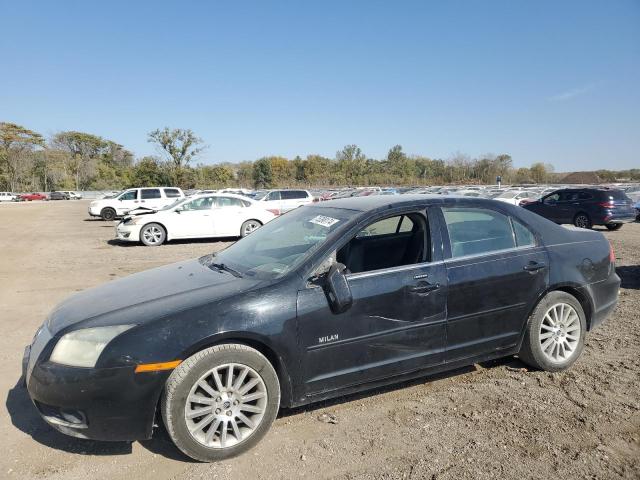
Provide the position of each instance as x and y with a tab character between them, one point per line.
130	195
150	193
474	231
204	203
553	198
387	243
273	196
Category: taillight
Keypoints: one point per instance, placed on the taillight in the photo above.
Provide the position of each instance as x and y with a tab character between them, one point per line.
275	211
612	255
608	204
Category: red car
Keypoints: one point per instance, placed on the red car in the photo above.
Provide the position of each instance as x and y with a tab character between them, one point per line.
33	196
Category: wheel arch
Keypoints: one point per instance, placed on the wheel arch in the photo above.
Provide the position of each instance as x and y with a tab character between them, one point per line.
258	343
166	230
576	291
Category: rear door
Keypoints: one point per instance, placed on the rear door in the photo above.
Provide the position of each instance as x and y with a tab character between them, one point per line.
395	325
228	216
496	270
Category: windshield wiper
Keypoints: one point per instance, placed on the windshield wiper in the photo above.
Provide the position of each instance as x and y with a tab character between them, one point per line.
226	268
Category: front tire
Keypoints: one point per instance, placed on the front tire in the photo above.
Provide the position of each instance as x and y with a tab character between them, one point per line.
582	220
108	214
153	234
554	338
220	402
613	226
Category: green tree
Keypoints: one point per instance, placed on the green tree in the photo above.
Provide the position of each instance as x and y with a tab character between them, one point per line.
16	146
352	163
84	150
180	146
262	174
149	171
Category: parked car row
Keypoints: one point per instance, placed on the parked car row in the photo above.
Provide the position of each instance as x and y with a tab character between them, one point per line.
21	197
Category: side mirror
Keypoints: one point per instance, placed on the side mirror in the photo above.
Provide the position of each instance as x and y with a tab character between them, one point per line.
337	289
178	210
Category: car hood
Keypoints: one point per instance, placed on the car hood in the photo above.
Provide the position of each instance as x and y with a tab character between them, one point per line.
147	296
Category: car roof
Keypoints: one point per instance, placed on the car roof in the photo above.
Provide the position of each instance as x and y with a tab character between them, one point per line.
373	202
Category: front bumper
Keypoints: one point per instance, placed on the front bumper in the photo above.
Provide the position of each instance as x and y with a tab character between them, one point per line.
128	232
93	211
93	403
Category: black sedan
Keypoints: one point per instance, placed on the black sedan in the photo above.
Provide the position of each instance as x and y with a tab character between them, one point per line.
324	301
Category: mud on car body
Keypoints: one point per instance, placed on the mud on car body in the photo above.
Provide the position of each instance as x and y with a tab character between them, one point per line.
326	300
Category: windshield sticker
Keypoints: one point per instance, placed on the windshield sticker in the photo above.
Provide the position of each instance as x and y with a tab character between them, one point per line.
324	221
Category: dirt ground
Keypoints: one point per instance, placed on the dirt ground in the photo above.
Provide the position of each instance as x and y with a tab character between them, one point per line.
496	420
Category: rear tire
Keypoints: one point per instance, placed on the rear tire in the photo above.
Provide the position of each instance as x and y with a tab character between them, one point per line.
554	338
249	227
613	226
582	220
203	410
153	234
108	214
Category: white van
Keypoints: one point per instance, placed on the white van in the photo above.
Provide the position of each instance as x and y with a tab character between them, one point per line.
8	197
153	198
281	201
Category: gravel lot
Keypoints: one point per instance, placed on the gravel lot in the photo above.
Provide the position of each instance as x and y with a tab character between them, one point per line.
496	420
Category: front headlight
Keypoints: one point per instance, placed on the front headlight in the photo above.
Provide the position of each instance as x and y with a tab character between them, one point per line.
83	347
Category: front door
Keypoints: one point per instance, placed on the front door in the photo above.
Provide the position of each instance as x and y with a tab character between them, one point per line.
192	219
127	201
396	323
496	273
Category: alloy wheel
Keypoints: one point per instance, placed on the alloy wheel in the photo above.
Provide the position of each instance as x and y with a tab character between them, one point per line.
250	226
582	221
226	405
560	332
152	235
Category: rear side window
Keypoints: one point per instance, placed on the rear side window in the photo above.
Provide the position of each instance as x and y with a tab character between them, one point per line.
524	236
474	231
388	226
148	193
615	195
292	194
585	196
229	202
171	192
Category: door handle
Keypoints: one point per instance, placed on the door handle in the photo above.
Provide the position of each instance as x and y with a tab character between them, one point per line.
424	287
533	267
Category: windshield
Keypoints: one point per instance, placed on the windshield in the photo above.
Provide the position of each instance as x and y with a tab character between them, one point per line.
507	195
282	244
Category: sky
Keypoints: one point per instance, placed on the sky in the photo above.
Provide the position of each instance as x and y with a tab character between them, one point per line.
550	81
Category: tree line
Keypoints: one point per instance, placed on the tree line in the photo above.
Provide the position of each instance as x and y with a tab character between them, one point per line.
73	160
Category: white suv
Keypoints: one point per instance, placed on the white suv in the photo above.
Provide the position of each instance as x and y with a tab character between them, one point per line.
148	198
8	197
281	201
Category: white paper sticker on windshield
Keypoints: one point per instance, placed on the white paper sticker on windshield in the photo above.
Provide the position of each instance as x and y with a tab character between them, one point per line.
324	221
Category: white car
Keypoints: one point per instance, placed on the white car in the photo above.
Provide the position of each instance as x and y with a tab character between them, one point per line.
282	201
515	196
8	197
151	198
198	216
72	195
